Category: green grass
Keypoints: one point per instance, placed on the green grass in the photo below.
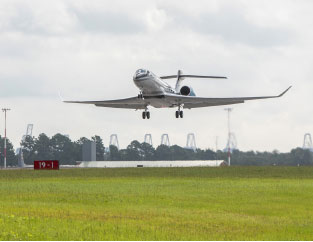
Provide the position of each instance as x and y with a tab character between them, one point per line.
231	203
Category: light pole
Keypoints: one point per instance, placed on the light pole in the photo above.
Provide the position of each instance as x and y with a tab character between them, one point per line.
228	143
5	110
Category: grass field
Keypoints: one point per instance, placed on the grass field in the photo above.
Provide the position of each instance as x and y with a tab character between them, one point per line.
231	203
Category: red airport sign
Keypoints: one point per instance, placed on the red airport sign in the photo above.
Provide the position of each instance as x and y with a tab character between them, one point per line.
46	165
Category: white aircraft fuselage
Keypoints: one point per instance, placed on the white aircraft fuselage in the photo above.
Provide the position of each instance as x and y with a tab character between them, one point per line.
150	85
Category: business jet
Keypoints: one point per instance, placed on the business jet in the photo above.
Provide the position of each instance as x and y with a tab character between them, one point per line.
155	92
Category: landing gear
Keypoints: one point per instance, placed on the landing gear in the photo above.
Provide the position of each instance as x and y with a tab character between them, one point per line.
140	96
179	113
146	114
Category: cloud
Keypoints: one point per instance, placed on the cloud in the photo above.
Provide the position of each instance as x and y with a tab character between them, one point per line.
97	21
90	50
231	25
156	19
61	18
36	18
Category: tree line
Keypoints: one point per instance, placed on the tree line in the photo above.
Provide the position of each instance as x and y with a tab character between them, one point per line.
61	147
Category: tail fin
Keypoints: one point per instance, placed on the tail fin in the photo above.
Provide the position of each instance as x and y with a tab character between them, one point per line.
179	80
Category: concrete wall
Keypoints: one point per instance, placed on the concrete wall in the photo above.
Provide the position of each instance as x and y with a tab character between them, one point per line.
121	164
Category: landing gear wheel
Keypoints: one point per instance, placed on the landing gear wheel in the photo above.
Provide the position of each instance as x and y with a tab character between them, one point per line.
148	115
140	96
181	114
144	115
177	114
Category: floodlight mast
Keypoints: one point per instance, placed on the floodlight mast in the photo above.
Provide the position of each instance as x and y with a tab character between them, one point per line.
5	110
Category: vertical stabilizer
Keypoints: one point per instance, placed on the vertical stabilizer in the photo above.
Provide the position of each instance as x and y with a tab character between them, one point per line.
179	81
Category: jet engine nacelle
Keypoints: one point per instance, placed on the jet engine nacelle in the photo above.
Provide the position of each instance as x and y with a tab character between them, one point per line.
187	91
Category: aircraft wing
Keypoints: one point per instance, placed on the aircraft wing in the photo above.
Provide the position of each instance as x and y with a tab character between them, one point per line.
198	102
130	103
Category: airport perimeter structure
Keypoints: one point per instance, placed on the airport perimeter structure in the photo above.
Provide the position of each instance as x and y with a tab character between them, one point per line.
172	163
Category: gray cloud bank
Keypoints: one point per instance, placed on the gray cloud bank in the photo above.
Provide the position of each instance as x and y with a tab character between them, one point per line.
90	49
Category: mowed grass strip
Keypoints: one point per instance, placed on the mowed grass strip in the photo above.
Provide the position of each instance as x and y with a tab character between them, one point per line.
230	203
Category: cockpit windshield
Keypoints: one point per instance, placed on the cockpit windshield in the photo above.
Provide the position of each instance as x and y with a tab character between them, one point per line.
141	73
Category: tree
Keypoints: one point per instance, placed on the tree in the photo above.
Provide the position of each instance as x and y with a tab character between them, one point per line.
134	151
205	155
148	151
114	153
99	147
179	153
11	157
42	148
63	149
163	152
301	157
28	145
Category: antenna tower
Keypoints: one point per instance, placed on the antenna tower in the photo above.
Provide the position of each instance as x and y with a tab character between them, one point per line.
307	142
114	141
148	139
191	142
29	133
165	140
232	142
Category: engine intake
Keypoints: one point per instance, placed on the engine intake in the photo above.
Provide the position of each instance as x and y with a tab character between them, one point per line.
187	91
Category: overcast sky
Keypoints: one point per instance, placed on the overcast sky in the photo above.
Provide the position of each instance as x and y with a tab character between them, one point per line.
91	49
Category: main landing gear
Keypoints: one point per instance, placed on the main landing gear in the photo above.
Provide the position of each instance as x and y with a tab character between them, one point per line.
146	114
179	113
140	96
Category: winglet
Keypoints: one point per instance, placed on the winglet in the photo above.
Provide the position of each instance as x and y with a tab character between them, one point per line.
60	96
283	93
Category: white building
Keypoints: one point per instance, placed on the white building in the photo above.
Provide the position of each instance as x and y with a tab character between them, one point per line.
176	163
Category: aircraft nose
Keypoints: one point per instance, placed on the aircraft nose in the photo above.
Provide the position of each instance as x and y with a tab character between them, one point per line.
138	79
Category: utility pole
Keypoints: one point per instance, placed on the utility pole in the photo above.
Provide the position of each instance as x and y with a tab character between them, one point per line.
228	142
5	110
